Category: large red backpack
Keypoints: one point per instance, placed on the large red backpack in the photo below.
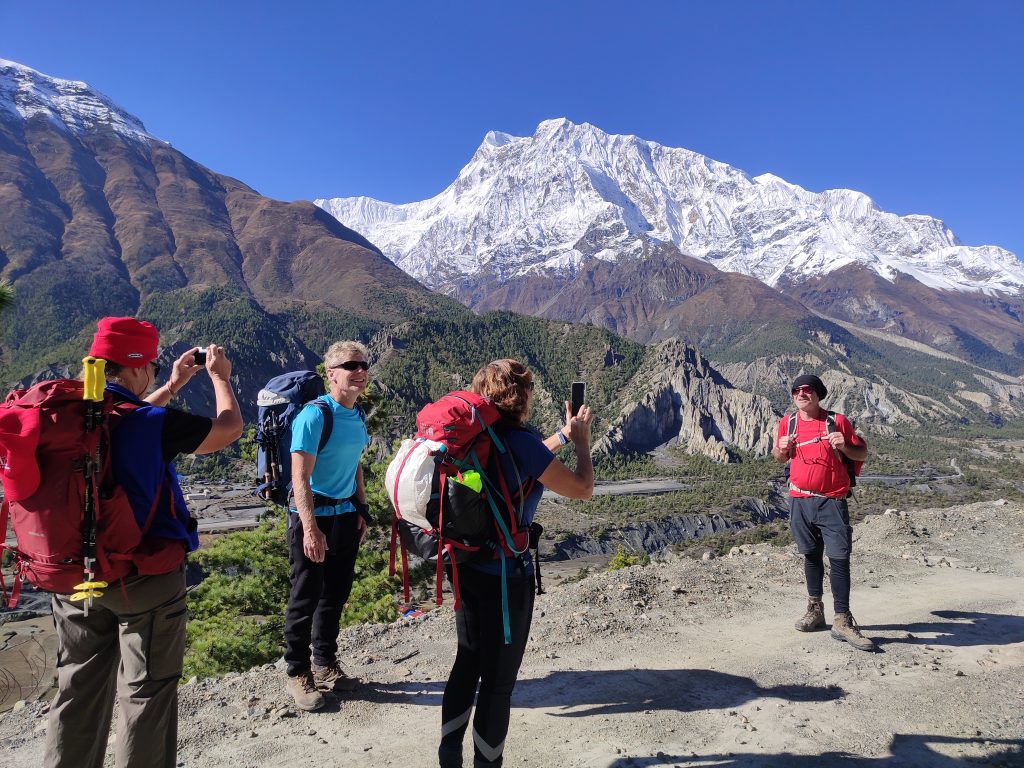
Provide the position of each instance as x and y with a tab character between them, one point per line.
72	522
452	503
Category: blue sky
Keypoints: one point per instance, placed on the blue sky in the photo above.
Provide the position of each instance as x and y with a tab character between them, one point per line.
917	104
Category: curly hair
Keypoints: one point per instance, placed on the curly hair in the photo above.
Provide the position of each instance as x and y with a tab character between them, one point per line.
508	383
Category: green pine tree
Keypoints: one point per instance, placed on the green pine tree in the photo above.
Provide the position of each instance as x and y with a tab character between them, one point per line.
6	295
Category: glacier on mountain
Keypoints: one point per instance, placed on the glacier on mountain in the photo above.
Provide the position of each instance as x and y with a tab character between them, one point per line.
69	104
571	192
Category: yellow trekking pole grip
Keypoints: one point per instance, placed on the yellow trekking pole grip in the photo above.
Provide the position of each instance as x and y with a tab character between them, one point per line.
95	378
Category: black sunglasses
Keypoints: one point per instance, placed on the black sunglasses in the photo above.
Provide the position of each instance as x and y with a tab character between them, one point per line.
353	365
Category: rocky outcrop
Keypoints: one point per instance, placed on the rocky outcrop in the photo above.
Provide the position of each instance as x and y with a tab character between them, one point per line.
678	398
653	536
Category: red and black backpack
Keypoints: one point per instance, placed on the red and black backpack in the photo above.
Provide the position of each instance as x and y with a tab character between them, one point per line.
451	499
73	524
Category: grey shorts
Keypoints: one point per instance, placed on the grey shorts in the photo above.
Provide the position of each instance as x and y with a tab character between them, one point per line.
817	521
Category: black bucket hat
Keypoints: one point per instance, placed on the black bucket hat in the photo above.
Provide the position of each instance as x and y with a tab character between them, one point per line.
809	380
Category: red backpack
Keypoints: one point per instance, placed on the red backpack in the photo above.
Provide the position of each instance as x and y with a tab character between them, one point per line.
452	503
73	524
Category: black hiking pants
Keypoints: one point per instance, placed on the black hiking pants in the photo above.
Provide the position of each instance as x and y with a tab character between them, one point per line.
319	591
483	659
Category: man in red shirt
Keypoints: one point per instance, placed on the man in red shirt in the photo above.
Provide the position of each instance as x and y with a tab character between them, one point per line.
818	516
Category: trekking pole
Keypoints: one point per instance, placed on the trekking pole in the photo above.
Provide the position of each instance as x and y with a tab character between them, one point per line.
92	394
272	471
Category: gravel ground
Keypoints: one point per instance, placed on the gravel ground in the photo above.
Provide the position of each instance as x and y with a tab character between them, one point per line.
680	663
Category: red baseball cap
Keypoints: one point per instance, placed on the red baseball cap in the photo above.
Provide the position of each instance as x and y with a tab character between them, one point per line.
126	341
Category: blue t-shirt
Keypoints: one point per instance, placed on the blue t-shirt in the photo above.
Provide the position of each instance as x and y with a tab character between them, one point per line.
532	458
334	473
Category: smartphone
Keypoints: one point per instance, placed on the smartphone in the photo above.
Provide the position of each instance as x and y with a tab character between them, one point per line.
199	356
579	394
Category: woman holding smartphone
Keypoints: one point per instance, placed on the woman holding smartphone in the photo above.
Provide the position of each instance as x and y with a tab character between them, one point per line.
485	668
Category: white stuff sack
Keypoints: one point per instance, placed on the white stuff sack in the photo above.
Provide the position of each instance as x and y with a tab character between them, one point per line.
409	478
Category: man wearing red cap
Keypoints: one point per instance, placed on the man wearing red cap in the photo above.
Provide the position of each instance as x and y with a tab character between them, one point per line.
814	442
132	639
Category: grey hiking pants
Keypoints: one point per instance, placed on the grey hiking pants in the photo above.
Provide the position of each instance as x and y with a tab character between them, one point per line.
136	639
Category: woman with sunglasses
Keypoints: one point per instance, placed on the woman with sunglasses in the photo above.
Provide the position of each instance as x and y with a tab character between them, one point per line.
326	522
814	441
485	668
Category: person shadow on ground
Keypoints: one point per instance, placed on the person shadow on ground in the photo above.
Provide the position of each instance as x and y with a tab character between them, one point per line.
584	693
963	628
907	751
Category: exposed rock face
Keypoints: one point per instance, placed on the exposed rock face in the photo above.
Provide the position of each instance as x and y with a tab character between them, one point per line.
523	224
679	398
97	218
656	536
881	402
877	403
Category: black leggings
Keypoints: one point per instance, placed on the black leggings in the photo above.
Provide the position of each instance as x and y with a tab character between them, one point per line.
838	579
484	658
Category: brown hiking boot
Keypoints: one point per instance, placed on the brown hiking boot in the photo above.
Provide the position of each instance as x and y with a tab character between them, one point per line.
814	618
303	690
845	628
331	678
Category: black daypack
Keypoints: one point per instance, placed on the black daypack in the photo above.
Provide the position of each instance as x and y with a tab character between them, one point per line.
279	403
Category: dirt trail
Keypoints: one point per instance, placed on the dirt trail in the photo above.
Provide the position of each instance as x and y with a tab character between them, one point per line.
683	663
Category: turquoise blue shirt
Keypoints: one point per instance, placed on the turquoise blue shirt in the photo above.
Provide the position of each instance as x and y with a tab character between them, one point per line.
334	473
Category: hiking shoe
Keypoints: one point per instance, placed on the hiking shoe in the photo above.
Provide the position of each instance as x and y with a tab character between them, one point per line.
845	628
331	678
303	691
814	618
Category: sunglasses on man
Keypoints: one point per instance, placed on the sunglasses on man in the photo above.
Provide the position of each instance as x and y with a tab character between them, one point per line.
804	390
353	365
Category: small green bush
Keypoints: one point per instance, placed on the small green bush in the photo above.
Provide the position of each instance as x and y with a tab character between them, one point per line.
230	642
624	559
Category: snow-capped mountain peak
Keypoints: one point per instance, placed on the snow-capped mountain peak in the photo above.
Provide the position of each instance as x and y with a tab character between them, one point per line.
570	192
69	103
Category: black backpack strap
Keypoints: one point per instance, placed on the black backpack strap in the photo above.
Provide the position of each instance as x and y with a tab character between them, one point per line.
830	422
325	434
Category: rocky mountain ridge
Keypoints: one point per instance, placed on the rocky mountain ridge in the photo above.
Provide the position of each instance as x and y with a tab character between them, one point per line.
677	398
654	242
548	202
98	218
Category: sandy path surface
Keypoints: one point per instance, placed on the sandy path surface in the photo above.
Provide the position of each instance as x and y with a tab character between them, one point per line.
683	663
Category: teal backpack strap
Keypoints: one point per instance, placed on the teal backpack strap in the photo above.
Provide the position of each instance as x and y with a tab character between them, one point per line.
505	623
